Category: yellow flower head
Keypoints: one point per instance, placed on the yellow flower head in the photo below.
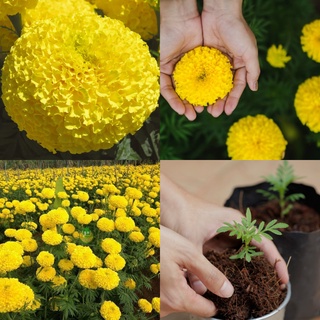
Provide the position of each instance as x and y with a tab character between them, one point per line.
130	284
52	238
133	193
83	257
118	201
255	138
106	278
137	15
11	7
14	295
81	79
59	281
136	236
154	238
12	246
45	274
110	311
9	260
124	224
307	103
110	245
310	40
145	305
83	196
47	193
115	262
277	56
202	76
68	228
45	259
156	304
86	279
105	224
10	233
65	265
29	245
59	215
25	206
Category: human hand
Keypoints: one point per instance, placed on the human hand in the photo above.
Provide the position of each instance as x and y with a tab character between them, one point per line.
181	31
224	28
177	255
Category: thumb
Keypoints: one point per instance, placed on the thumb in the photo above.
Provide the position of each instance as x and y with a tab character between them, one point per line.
253	69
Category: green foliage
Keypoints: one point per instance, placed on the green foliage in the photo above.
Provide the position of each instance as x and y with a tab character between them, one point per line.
279	187
272	22
247	231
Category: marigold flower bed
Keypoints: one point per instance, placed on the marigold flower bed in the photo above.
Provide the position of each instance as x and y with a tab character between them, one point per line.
80	243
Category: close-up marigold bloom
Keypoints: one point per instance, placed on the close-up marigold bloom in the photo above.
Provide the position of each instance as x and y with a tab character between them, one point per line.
14	295
136	236
202	76
29	245
156	304
106	278
45	274
124	224
145	305
137	15
310	40
110	245
65	265
80	78
83	257
130	284
11	7
52	238
115	262
277	56
9	260
118	201
12	246
86	279
105	224
307	102
255	138
110	311
45	259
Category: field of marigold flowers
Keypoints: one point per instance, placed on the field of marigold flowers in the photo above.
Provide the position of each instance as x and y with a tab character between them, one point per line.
80	242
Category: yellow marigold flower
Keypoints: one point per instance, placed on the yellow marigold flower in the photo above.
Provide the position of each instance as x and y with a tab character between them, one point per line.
23	234
65	265
83	257
155	268
25	206
47	193
45	259
7	35
136	236
30	225
277	56
99	212
99	263
154	238
62	195
28	261
115	262
11	7
84	106
52	238
9	260
14	295
10	233
202	76
59	281
136	211
105	224
65	203
110	311
68	228
130	284
76	235
94	217
106	278
29	245
153	194
133	193
110	245
70	247
307	102
47	221
86	279
76	211
137	15
145	305
120	213
255	138
124	224
12	246
310	40
156	304
84	218
149	212
118	201
45	274
83	196
59	215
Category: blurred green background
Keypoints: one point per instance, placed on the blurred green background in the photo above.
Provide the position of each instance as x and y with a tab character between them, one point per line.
272	22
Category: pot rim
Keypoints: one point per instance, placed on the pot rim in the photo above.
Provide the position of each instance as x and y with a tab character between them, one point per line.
282	305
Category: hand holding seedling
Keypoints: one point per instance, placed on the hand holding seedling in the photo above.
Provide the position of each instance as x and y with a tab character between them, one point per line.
247	232
279	188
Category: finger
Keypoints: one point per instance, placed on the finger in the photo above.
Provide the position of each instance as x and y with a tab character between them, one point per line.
239	84
199	109
273	256
170	95
253	69
217	109
210	276
196	284
190	112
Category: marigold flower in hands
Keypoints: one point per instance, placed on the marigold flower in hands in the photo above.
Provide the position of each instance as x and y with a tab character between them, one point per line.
310	40
307	102
202	76
255	138
84	83
277	56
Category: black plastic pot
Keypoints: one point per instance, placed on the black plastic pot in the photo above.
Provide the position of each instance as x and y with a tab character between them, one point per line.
302	247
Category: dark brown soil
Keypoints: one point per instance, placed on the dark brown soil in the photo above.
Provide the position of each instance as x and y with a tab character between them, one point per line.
299	218
257	287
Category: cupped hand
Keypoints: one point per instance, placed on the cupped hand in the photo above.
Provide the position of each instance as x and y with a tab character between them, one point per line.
224	28
179	34
178	255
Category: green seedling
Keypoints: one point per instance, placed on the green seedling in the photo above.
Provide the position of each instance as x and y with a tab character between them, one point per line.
247	231
279	187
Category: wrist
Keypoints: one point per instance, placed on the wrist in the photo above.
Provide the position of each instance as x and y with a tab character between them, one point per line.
225	6
178	10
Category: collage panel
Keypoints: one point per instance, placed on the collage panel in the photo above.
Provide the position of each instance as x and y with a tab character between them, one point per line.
79	240
240	240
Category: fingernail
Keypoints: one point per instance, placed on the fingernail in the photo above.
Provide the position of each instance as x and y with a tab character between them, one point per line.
254	85
226	290
199	287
